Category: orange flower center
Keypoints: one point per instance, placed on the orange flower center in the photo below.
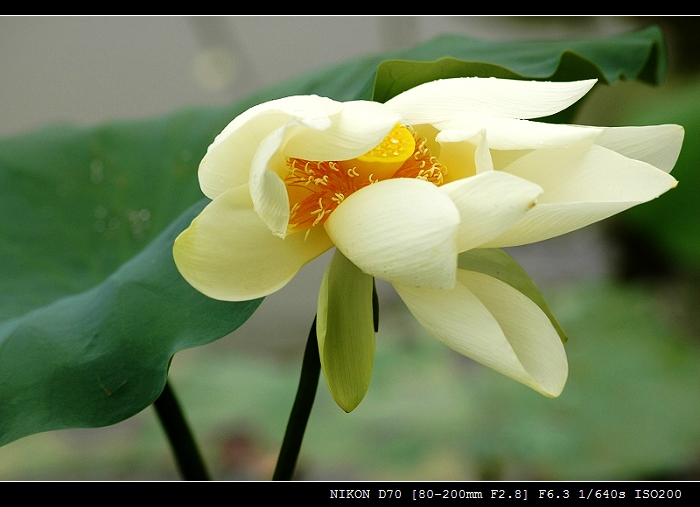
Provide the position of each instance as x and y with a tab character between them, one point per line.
316	188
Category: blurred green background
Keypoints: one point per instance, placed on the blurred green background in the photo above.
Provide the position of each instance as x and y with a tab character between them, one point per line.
626	291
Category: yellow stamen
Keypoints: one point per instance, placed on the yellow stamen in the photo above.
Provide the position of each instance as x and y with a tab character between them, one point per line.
315	189
422	165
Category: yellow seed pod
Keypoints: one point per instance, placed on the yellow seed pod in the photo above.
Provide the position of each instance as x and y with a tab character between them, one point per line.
382	161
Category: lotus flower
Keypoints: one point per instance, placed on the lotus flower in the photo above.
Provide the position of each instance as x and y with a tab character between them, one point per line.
410	191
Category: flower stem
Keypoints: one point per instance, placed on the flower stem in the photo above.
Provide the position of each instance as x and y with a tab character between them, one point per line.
296	426
189	460
375	305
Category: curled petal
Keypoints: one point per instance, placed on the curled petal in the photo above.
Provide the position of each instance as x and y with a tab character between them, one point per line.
489	204
449	99
267	189
658	145
354	130
464	152
498	264
582	185
351	131
482	155
401	230
494	324
227	161
228	253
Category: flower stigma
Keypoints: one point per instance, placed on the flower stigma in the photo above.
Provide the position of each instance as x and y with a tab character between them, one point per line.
316	188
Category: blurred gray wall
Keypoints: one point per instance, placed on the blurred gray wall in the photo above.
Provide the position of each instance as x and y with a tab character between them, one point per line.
93	69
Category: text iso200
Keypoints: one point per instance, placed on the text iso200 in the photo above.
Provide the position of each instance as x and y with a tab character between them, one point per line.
657	493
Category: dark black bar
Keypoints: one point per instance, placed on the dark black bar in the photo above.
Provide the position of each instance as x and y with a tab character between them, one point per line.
446	492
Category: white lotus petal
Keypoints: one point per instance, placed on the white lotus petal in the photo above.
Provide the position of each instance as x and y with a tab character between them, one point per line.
580	173
492	323
401	230
227	161
482	155
448	99
464	153
228	252
515	134
357	128
658	145
467	132
581	186
489	204
547	221
528	329
267	189
503	158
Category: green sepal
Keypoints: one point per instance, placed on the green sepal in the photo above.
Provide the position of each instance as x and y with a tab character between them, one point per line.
498	264
345	329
